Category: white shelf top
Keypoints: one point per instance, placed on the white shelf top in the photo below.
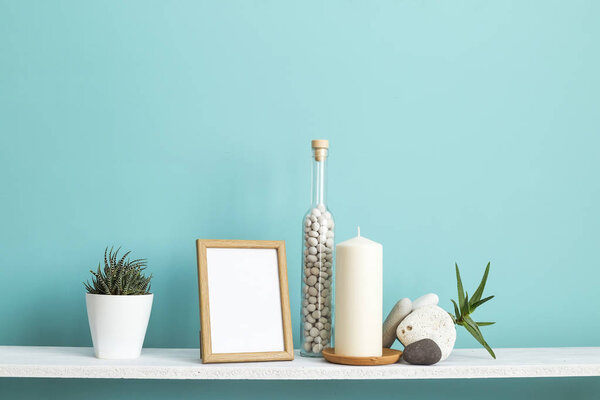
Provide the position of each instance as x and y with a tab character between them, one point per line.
79	362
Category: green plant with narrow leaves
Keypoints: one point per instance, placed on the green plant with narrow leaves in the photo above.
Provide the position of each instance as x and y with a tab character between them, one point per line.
120	276
466	306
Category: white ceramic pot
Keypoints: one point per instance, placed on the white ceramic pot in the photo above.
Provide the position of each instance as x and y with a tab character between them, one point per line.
118	324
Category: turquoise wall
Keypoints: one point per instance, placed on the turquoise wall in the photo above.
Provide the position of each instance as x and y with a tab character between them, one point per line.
461	131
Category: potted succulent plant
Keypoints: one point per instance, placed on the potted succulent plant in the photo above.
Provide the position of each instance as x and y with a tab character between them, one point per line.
119	302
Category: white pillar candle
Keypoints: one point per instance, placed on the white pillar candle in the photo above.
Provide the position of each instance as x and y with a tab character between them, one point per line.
358	297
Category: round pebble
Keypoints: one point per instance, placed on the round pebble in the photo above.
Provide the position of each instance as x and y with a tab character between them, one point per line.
317	273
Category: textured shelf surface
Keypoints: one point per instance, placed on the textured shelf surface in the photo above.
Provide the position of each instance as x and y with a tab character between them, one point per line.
79	362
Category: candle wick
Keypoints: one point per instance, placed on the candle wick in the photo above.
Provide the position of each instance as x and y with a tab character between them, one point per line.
359	231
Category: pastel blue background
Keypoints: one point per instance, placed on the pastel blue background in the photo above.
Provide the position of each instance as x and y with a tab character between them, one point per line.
460	131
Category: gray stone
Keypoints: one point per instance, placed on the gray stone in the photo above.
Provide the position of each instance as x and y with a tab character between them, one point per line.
398	313
422	352
430	299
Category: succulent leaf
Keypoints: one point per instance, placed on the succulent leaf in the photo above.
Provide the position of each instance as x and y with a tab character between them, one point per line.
122	277
480	302
466	307
479	292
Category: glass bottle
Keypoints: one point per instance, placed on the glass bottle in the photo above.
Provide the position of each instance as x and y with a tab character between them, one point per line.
318	259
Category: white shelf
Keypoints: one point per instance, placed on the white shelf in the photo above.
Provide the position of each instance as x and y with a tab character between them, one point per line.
79	362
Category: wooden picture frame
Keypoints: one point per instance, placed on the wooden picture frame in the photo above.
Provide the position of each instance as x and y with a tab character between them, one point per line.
246	316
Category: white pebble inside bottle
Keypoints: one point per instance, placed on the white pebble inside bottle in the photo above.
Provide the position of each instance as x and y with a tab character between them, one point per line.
317	252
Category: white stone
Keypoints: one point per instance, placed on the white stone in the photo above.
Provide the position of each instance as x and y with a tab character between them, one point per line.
430	299
400	310
316	212
428	322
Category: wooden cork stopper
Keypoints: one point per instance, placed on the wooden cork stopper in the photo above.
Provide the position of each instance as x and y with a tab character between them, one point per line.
320	146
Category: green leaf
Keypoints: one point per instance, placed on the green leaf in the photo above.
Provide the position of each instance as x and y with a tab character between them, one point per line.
473	329
480	302
465	307
479	292
484	323
461	291
451	316
120	276
456	309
